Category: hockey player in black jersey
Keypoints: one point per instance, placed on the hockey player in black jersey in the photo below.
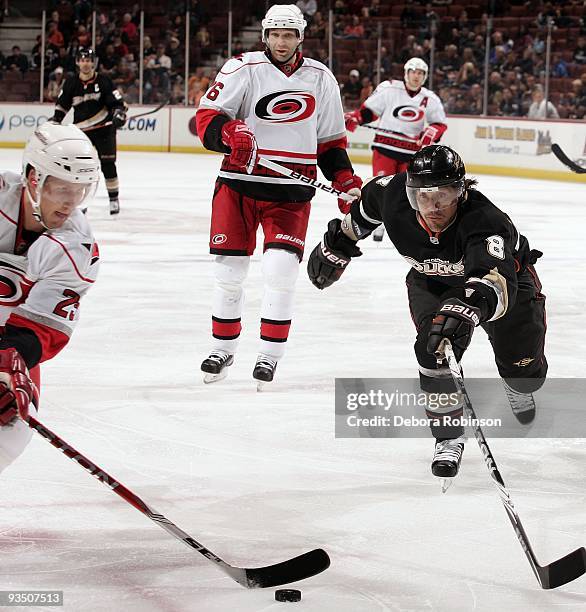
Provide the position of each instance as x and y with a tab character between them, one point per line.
470	267
96	102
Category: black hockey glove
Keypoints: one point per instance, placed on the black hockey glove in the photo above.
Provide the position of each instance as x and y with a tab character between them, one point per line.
454	321
118	117
331	256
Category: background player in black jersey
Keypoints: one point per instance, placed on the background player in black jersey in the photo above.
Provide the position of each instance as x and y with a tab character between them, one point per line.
98	110
470	267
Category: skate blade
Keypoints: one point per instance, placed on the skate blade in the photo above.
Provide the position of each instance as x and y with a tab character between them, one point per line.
212	378
261	385
446	483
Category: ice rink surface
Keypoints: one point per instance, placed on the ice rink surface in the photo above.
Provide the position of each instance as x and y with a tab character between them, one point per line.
259	477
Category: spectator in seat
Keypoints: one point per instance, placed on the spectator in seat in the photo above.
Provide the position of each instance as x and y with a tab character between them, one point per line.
354	29
366	90
540	109
128	31
54	36
559	66
16	61
308	8
55	84
580	51
353	86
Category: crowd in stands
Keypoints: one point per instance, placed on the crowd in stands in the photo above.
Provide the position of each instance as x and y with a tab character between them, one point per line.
516	58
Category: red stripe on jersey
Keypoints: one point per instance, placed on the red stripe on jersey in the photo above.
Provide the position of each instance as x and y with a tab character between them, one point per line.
337	143
52	340
244	66
287	154
7	217
202	119
274	330
83	278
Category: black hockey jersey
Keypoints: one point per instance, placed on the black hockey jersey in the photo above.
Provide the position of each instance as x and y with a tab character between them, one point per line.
479	246
92	101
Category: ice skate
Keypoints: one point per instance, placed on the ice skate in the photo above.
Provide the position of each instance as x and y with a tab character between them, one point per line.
216	365
522	404
446	460
378	233
264	370
114	207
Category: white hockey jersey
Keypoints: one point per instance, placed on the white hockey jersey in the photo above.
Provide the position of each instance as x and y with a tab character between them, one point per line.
41	283
288	114
403	114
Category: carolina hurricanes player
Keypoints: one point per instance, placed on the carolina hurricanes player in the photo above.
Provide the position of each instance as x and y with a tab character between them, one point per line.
286	108
403	108
48	261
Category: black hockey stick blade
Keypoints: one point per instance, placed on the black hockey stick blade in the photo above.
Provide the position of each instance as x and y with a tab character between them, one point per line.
563	570
299	568
557	151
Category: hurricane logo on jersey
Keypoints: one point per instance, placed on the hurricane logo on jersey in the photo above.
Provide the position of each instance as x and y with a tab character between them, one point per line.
285	107
408	113
14	285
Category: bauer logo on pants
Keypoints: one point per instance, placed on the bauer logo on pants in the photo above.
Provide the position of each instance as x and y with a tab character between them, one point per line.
219	239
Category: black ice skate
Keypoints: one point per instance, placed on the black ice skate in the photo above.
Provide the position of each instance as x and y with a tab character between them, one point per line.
378	233
522	404
446	460
114	207
216	365
264	370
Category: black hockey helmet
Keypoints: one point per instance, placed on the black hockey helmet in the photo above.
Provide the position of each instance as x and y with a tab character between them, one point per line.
434	167
85	52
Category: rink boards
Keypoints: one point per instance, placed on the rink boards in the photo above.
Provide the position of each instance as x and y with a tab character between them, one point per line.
501	146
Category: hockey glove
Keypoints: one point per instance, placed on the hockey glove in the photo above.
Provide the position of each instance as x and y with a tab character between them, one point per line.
16	388
331	256
348	182
428	136
243	148
454	321
352	120
118	118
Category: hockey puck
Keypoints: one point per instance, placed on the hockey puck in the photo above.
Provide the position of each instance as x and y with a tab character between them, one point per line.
288	595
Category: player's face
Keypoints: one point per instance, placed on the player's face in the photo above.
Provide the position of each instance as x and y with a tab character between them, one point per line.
438	207
282	44
415	79
86	65
59	199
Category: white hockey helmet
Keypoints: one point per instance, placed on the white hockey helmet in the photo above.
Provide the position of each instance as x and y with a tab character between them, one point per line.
63	152
283	17
416	63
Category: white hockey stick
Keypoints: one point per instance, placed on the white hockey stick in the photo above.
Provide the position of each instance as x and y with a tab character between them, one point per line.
303	180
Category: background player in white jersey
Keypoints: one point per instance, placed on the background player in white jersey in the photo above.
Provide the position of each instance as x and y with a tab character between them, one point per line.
402	108
48	261
286	108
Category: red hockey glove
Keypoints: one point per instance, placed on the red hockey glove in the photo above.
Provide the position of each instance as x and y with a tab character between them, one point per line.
237	135
345	180
352	120
16	388
428	136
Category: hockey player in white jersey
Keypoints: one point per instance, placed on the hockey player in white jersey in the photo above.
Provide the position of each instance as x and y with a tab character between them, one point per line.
403	108
287	108
48	261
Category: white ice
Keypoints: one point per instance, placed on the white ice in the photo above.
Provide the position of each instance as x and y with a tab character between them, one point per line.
259	478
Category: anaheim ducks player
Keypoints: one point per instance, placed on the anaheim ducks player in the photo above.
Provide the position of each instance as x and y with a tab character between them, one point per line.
287	108
404	107
48	261
470	267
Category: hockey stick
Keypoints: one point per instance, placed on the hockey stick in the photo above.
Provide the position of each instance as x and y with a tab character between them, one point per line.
550	576
380	129
301	567
557	151
303	180
108	123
